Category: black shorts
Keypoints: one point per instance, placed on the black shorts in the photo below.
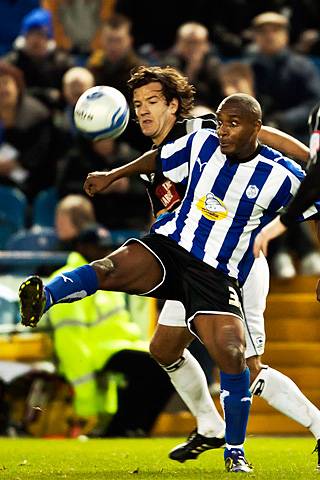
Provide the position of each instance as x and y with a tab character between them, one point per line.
200	287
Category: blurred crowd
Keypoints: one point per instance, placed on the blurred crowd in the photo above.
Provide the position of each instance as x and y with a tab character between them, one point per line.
52	51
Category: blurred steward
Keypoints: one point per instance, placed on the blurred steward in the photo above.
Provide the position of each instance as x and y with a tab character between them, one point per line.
118	388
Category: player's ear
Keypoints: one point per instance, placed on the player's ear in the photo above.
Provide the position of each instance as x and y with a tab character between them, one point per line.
258	125
174	105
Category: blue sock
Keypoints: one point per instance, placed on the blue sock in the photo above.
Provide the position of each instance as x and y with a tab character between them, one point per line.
236	401
71	286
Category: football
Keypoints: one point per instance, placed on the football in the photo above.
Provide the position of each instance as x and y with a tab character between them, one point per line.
101	112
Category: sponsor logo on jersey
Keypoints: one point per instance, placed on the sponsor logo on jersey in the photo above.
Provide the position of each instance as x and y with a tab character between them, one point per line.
252	191
168	194
212	207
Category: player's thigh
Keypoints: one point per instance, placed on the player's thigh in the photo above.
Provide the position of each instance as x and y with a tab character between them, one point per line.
135	270
172	314
168	343
254	295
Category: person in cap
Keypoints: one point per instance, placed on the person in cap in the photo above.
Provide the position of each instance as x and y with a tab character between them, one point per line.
35	53
286	84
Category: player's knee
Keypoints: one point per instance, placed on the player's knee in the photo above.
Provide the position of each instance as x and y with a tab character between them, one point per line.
233	358
103	267
162	354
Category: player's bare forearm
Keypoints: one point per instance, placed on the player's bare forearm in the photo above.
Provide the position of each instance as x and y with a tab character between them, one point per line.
144	164
97	182
269	231
287	144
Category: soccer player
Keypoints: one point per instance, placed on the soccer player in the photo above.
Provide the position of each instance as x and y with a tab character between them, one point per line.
152	89
307	194
191	253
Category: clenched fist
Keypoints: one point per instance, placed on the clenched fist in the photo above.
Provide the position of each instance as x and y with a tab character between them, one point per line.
97	182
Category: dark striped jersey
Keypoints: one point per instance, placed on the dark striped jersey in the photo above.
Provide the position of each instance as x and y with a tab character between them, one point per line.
309	191
164	194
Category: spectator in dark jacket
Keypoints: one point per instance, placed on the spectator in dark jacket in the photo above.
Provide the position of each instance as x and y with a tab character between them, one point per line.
287	84
111	64
35	53
26	136
194	56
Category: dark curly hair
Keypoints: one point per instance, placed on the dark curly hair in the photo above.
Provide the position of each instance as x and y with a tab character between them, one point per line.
174	85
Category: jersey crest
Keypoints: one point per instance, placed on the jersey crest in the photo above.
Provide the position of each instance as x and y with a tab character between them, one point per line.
252	191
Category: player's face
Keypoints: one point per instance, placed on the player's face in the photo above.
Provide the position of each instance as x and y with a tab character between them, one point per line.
155	116
237	131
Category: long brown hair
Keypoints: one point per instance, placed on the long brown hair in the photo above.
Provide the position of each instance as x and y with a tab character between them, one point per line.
174	85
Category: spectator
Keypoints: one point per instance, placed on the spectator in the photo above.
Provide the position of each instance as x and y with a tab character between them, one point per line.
73	214
75	81
77	23
112	62
35	53
287	84
194	56
27	152
236	77
126	205
101	340
111	65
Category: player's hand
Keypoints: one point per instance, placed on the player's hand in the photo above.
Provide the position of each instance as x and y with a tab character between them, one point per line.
270	231
98	182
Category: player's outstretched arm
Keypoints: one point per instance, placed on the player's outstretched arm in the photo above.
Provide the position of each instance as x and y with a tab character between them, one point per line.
270	231
97	182
287	144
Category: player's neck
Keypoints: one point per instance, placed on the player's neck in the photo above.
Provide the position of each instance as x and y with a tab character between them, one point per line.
247	156
159	139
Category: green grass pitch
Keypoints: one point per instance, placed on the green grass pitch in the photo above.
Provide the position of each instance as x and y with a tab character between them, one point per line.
24	459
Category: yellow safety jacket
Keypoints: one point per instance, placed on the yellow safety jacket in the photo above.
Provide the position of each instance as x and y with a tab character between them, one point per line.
86	335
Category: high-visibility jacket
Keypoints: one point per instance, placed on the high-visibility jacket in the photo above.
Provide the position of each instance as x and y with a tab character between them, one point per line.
86	334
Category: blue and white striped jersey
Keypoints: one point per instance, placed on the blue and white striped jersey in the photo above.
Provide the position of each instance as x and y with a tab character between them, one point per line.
226	203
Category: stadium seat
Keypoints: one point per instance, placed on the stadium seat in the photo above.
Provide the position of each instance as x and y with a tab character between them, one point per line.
35	239
34	251
13	206
9	308
44	207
